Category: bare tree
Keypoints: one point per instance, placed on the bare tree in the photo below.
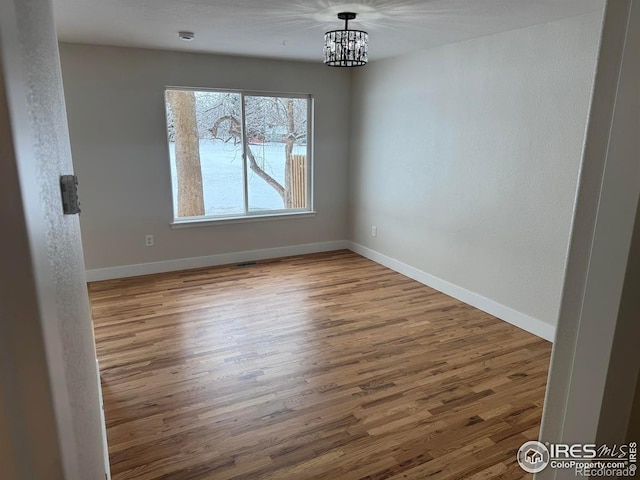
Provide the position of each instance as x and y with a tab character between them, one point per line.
234	131
187	147
262	112
291	140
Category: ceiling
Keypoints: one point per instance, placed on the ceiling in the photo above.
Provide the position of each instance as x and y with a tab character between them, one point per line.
294	28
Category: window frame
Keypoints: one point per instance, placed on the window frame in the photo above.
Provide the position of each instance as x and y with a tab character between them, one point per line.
248	215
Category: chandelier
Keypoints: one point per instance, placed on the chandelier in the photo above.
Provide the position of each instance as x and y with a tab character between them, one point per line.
346	48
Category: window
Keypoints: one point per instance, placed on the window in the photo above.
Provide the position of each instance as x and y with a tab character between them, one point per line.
238	154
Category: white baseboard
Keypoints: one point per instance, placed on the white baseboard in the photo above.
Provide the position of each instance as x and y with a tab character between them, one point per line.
519	319
110	273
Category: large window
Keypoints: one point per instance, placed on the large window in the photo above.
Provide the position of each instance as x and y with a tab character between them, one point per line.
236	154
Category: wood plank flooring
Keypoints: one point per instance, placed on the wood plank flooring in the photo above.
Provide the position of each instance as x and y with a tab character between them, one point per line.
324	366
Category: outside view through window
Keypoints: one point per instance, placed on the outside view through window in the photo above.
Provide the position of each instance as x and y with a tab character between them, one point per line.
207	131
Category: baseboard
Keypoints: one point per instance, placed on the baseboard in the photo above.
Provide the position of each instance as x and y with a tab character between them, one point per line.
519	319
514	317
111	273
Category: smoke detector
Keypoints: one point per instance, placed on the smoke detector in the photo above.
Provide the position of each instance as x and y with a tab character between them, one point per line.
186	36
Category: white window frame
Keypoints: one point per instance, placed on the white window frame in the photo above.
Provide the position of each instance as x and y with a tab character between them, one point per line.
257	215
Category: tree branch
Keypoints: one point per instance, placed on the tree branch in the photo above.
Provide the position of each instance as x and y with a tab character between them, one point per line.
264	175
235	130
234	122
214	107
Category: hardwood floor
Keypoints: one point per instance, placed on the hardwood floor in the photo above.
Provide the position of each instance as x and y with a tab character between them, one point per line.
324	366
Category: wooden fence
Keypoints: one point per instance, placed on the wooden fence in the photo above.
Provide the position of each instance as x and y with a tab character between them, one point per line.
298	176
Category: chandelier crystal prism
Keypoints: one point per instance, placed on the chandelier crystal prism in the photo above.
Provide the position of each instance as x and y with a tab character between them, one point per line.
346	48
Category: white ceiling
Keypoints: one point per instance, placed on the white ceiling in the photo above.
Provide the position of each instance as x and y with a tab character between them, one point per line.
294	28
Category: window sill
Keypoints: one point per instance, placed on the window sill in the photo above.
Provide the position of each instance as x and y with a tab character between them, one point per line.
208	222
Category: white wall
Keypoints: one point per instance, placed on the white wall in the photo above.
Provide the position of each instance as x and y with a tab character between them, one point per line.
115	101
617	413
28	434
466	158
48	384
598	324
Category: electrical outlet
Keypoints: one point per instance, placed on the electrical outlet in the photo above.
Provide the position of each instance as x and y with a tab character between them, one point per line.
374	231
148	240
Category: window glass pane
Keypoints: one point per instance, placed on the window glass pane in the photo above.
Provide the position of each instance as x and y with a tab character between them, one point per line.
205	148
208	136
276	136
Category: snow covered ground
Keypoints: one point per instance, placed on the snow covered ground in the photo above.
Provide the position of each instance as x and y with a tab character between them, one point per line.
221	165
